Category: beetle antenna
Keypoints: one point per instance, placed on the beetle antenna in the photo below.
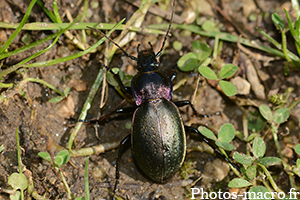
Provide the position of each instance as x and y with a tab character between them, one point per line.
150	46
132	57
138	48
166	36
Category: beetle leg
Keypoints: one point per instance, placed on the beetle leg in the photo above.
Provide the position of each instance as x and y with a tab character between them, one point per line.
173	76
124	89
187	102
118	113
115	114
124	145
211	143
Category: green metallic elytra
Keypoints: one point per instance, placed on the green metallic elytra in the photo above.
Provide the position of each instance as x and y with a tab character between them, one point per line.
158	139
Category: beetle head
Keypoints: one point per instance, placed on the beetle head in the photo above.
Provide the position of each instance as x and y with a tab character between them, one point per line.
147	61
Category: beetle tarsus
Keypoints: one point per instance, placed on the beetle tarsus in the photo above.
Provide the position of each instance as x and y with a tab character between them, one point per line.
187	102
212	144
124	145
126	90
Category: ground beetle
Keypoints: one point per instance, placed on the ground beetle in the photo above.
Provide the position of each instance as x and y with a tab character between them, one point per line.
157	137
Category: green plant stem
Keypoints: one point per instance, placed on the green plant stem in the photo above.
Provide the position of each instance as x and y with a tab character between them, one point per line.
267	186
6	85
286	167
295	5
227	37
294	103
94	150
38	53
30	187
22	63
56	13
19	158
86	180
91	95
40	26
86	107
216	47
45	83
28	47
274	42
18	151
22	194
55	61
35	195
270	178
83	34
286	53
293	32
48	13
232	168
69	194
19	28
284	46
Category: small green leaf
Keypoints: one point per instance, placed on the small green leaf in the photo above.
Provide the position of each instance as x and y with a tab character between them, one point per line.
45	156
243	159
66	92
228	70
259	147
188	62
251	172
298	162
278	21
256	122
56	99
240	135
201	50
127	80
281	115
226	133
15	196
207	73
207	133
266	112
291	26
269	161
296	170
228	88
251	137
111	79
258	193
297	149
18	181
238	183
205	62
297	27
62	157
79	198
210	25
225	145
1	148
177	45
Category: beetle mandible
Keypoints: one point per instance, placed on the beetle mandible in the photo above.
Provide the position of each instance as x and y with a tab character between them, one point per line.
157	137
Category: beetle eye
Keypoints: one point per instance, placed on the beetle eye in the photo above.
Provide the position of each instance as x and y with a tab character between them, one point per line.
154	64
